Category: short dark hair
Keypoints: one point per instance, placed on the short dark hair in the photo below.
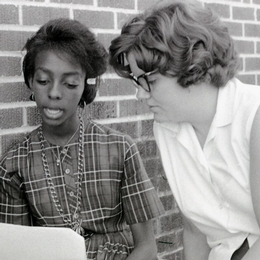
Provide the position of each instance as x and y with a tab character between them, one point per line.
73	38
181	39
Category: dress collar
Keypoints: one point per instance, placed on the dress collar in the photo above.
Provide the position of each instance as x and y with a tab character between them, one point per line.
225	104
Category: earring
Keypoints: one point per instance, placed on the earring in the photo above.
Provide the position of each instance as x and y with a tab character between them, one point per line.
38	117
32	97
82	103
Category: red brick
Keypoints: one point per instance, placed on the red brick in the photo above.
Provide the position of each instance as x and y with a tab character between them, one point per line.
102	110
163	185
95	19
116	87
147	149
170	242
154	180
14	92
258	47
82	2
152	166
33	116
168	202
122	18
245	47
129	4
258	80
248	79
171	222
10	66
133	107
258	15
9	141
223	10
235	28
33	15
9	14
252	30
147	128
241	64
11	118
106	39
252	64
13	40
144	4
242	13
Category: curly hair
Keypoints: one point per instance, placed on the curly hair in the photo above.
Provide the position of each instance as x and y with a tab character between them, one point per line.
181	39
77	42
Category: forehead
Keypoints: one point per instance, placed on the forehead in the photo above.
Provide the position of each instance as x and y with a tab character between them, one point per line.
59	62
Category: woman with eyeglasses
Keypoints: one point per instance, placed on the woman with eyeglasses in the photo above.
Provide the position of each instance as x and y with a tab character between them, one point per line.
182	60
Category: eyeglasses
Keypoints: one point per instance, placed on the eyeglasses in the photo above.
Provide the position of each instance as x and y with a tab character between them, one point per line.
142	80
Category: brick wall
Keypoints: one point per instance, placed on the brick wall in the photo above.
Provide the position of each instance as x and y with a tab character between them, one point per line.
115	104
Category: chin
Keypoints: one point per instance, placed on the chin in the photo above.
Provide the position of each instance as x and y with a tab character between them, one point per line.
160	119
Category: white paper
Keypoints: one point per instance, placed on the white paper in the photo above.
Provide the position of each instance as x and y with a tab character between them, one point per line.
40	243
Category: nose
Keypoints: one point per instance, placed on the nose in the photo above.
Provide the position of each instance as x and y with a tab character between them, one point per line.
142	94
55	91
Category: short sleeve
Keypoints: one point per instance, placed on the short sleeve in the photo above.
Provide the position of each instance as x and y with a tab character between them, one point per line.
14	208
140	200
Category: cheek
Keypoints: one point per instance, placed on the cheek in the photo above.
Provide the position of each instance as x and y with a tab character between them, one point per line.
75	97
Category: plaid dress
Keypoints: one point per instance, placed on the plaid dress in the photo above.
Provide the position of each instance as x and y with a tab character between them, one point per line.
116	191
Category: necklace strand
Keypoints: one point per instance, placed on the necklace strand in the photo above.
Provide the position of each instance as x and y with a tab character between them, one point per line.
73	221
63	151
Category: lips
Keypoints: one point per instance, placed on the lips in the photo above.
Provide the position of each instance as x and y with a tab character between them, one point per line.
153	108
53	113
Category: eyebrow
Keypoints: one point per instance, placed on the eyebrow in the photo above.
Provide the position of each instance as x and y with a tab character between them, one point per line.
72	73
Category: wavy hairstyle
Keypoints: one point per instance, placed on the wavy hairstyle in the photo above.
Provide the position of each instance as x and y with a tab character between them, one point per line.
180	39
77	42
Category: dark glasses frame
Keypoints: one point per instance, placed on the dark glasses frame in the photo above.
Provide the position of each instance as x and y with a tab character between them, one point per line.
142	80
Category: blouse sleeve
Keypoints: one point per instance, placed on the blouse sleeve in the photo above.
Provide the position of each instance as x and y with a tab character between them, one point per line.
140	200
14	208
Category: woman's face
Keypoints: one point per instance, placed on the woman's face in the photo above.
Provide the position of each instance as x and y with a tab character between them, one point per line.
58	85
167	99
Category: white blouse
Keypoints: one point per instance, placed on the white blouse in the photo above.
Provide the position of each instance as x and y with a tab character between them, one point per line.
211	185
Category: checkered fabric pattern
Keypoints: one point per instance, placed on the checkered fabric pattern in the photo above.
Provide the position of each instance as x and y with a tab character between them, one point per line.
116	190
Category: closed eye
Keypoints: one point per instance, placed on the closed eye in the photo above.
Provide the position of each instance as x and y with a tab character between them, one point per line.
151	82
42	82
71	85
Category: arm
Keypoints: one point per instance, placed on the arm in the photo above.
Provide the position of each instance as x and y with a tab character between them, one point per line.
13	203
194	242
144	241
254	251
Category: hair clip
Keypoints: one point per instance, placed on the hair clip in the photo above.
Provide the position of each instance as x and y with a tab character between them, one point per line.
91	81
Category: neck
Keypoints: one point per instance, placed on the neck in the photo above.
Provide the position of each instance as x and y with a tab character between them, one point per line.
205	112
60	135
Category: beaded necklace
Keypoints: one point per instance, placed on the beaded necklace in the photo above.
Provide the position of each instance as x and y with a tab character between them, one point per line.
73	220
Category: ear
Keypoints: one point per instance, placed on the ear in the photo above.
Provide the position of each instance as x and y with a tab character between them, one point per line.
30	83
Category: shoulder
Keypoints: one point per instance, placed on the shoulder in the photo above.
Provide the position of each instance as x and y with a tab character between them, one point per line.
106	133
239	104
18	151
243	88
240	99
